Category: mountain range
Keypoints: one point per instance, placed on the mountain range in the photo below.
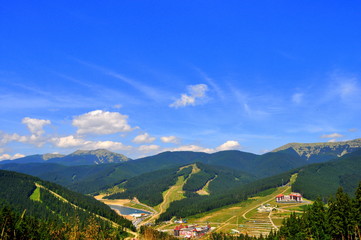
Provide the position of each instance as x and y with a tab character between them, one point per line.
321	168
79	157
321	152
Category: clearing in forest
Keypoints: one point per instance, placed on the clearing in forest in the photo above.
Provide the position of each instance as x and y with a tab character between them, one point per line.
172	194
244	217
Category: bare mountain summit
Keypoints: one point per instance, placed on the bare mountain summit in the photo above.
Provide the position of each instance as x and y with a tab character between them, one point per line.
102	155
321	152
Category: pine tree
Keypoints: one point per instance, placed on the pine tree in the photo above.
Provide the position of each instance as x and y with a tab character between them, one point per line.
315	221
340	216
357	211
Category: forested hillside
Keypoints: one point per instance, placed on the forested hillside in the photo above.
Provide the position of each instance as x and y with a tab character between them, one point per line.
195	203
48	202
94	178
148	187
322	180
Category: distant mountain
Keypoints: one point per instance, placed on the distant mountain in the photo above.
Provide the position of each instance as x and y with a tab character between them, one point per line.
34	158
323	179
322	152
79	157
93	178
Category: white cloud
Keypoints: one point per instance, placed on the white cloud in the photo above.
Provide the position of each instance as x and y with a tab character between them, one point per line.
229	145
332	135
297	98
143	138
193	148
35	126
332	140
195	93
114	146
5	157
5	138
148	148
73	142
170	139
101	122
37	140
68	142
8	156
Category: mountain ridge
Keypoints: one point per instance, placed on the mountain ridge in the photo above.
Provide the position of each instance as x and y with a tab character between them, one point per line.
79	157
322	151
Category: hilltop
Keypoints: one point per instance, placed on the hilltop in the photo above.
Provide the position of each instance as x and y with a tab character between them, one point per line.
321	152
323	179
79	157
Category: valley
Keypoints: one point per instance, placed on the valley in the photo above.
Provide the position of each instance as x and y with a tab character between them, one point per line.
244	217
228	192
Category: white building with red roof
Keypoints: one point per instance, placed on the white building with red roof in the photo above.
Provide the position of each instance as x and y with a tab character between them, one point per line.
293	197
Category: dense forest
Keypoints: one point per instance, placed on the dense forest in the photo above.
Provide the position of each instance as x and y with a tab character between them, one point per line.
322	180
195	203
149	187
26	196
15	225
90	179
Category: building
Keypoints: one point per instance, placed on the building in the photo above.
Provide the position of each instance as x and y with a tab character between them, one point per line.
265	208
293	197
190	231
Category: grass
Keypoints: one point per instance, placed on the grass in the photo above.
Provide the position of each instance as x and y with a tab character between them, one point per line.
174	193
35	196
244	216
138	206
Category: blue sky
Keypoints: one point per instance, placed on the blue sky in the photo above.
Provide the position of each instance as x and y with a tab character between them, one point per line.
141	77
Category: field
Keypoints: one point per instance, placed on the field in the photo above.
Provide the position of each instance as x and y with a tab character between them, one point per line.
244	217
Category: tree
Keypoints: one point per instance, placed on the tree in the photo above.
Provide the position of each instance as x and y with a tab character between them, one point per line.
315	221
340	221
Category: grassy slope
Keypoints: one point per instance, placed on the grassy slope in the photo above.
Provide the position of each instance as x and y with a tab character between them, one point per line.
35	196
244	213
174	193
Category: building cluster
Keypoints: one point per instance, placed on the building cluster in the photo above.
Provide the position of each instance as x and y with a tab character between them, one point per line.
265	208
293	197
191	231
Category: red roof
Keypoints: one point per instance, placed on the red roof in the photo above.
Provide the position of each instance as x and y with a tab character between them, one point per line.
279	195
180	227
